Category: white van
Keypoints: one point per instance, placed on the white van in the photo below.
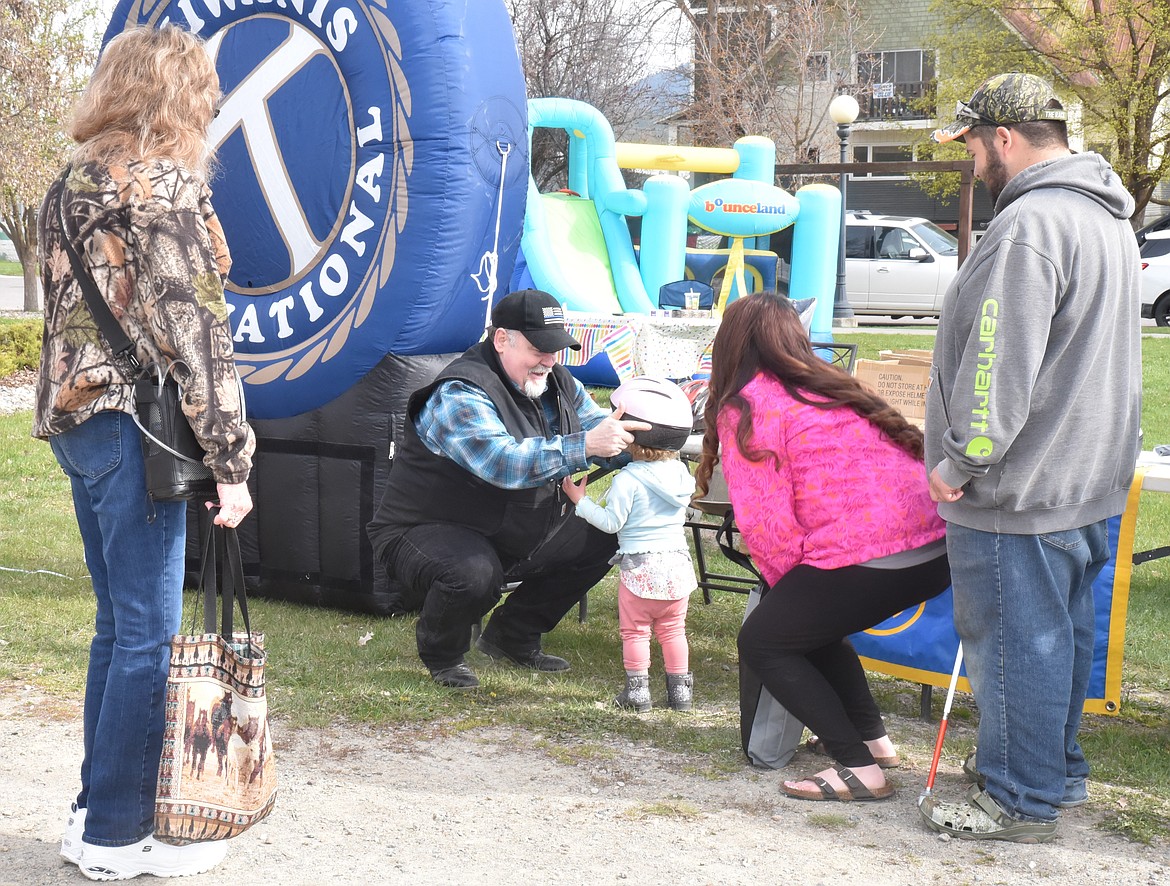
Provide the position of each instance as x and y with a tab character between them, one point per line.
897	266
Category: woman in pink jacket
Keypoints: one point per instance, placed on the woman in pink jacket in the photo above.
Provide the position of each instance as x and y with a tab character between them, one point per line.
829	491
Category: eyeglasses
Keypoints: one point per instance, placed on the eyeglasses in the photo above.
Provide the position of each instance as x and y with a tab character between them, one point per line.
964	111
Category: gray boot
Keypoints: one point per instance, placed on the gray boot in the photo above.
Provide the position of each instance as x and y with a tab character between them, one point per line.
678	691
636	695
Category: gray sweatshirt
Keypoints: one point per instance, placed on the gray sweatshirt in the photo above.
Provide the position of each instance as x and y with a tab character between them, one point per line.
1035	396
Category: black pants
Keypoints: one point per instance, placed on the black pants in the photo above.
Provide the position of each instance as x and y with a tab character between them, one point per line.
796	642
462	577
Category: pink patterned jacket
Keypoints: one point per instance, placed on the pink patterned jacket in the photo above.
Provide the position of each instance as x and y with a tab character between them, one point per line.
841	495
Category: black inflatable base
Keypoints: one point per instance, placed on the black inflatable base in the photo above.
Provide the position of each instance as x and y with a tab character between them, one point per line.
316	480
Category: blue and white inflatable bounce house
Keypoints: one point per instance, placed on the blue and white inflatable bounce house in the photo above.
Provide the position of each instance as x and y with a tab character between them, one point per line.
373	163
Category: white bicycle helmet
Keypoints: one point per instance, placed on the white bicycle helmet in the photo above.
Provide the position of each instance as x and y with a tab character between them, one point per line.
661	404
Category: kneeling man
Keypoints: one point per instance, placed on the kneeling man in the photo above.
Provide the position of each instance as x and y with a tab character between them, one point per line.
474	499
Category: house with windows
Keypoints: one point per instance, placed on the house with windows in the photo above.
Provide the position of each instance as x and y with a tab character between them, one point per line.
893	81
893	88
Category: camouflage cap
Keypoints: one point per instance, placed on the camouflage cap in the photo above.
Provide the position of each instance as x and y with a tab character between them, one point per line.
1001	101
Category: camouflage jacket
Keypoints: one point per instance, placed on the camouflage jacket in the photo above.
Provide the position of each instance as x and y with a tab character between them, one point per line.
148	235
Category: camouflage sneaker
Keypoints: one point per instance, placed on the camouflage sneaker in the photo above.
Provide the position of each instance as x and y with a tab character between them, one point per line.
1076	793
980	818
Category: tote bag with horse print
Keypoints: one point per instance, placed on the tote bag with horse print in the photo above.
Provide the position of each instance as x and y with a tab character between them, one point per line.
217	775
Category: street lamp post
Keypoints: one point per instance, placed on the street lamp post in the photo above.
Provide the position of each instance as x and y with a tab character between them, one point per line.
843	110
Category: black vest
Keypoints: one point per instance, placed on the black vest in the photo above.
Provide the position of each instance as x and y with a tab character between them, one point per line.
426	488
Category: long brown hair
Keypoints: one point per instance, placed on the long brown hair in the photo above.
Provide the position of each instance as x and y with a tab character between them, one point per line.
151	97
762	333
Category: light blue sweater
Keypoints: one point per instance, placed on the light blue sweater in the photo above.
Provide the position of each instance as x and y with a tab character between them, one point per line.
646	506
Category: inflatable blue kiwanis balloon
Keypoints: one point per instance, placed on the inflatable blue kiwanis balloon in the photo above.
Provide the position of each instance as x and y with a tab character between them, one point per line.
373	165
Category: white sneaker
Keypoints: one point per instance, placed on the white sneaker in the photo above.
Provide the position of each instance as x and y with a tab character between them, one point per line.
149	856
71	839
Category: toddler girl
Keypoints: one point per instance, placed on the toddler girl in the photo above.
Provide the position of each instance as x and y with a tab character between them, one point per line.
646	507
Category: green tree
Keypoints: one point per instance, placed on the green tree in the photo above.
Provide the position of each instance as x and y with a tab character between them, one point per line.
1109	59
47	49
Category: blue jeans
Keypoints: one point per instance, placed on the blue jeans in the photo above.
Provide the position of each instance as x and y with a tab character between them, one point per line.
136	566
1024	611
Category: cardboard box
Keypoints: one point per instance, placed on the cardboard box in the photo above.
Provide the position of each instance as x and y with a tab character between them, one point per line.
901	379
908	357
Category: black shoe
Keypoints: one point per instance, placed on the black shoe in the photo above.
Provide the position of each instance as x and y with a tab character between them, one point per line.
458	676
534	660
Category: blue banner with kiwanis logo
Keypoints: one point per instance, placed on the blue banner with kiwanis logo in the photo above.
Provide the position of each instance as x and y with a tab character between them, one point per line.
920	644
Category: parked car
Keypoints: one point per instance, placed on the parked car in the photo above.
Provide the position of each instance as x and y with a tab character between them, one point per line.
1154	227
1155	253
897	265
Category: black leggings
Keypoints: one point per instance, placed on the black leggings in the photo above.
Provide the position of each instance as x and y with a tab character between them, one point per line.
796	642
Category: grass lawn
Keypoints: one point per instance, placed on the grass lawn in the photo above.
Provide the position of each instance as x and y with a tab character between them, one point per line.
322	671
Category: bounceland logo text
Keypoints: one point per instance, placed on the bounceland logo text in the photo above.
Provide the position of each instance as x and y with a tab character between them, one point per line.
981	446
747	208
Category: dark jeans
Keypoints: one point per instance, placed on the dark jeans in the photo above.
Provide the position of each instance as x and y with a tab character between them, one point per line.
796	642
462	577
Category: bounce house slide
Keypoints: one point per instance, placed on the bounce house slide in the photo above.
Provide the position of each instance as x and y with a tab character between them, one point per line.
579	247
573	235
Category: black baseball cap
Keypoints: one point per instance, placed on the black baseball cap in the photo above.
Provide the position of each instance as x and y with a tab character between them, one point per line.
539	316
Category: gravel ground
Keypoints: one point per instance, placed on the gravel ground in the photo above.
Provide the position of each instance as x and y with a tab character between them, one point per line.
505	806
16	392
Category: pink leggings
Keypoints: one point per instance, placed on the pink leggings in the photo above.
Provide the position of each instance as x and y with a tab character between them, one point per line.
668	620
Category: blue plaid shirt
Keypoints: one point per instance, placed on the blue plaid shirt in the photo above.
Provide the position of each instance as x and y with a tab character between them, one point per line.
460	422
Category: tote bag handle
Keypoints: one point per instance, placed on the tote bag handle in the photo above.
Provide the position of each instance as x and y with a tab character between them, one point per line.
221	544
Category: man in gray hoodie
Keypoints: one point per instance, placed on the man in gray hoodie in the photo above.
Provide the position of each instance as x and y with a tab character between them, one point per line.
1031	441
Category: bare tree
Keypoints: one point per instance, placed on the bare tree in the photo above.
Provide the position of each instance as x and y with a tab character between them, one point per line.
763	67
596	51
46	50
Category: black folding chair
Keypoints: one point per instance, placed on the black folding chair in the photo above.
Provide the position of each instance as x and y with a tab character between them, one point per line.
717	504
836	352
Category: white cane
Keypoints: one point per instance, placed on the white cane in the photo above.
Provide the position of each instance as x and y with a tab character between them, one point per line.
942	727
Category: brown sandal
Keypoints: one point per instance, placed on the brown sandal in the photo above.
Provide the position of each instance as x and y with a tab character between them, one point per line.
857	791
816	746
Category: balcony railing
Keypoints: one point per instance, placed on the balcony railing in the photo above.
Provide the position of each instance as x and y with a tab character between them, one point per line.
895	101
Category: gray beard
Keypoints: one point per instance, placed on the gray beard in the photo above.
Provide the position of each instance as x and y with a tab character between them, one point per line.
534	390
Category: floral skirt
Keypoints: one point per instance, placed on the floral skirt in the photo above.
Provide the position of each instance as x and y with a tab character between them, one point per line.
657	575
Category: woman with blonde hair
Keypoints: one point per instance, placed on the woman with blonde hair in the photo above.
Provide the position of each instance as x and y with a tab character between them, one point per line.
830	494
135	207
